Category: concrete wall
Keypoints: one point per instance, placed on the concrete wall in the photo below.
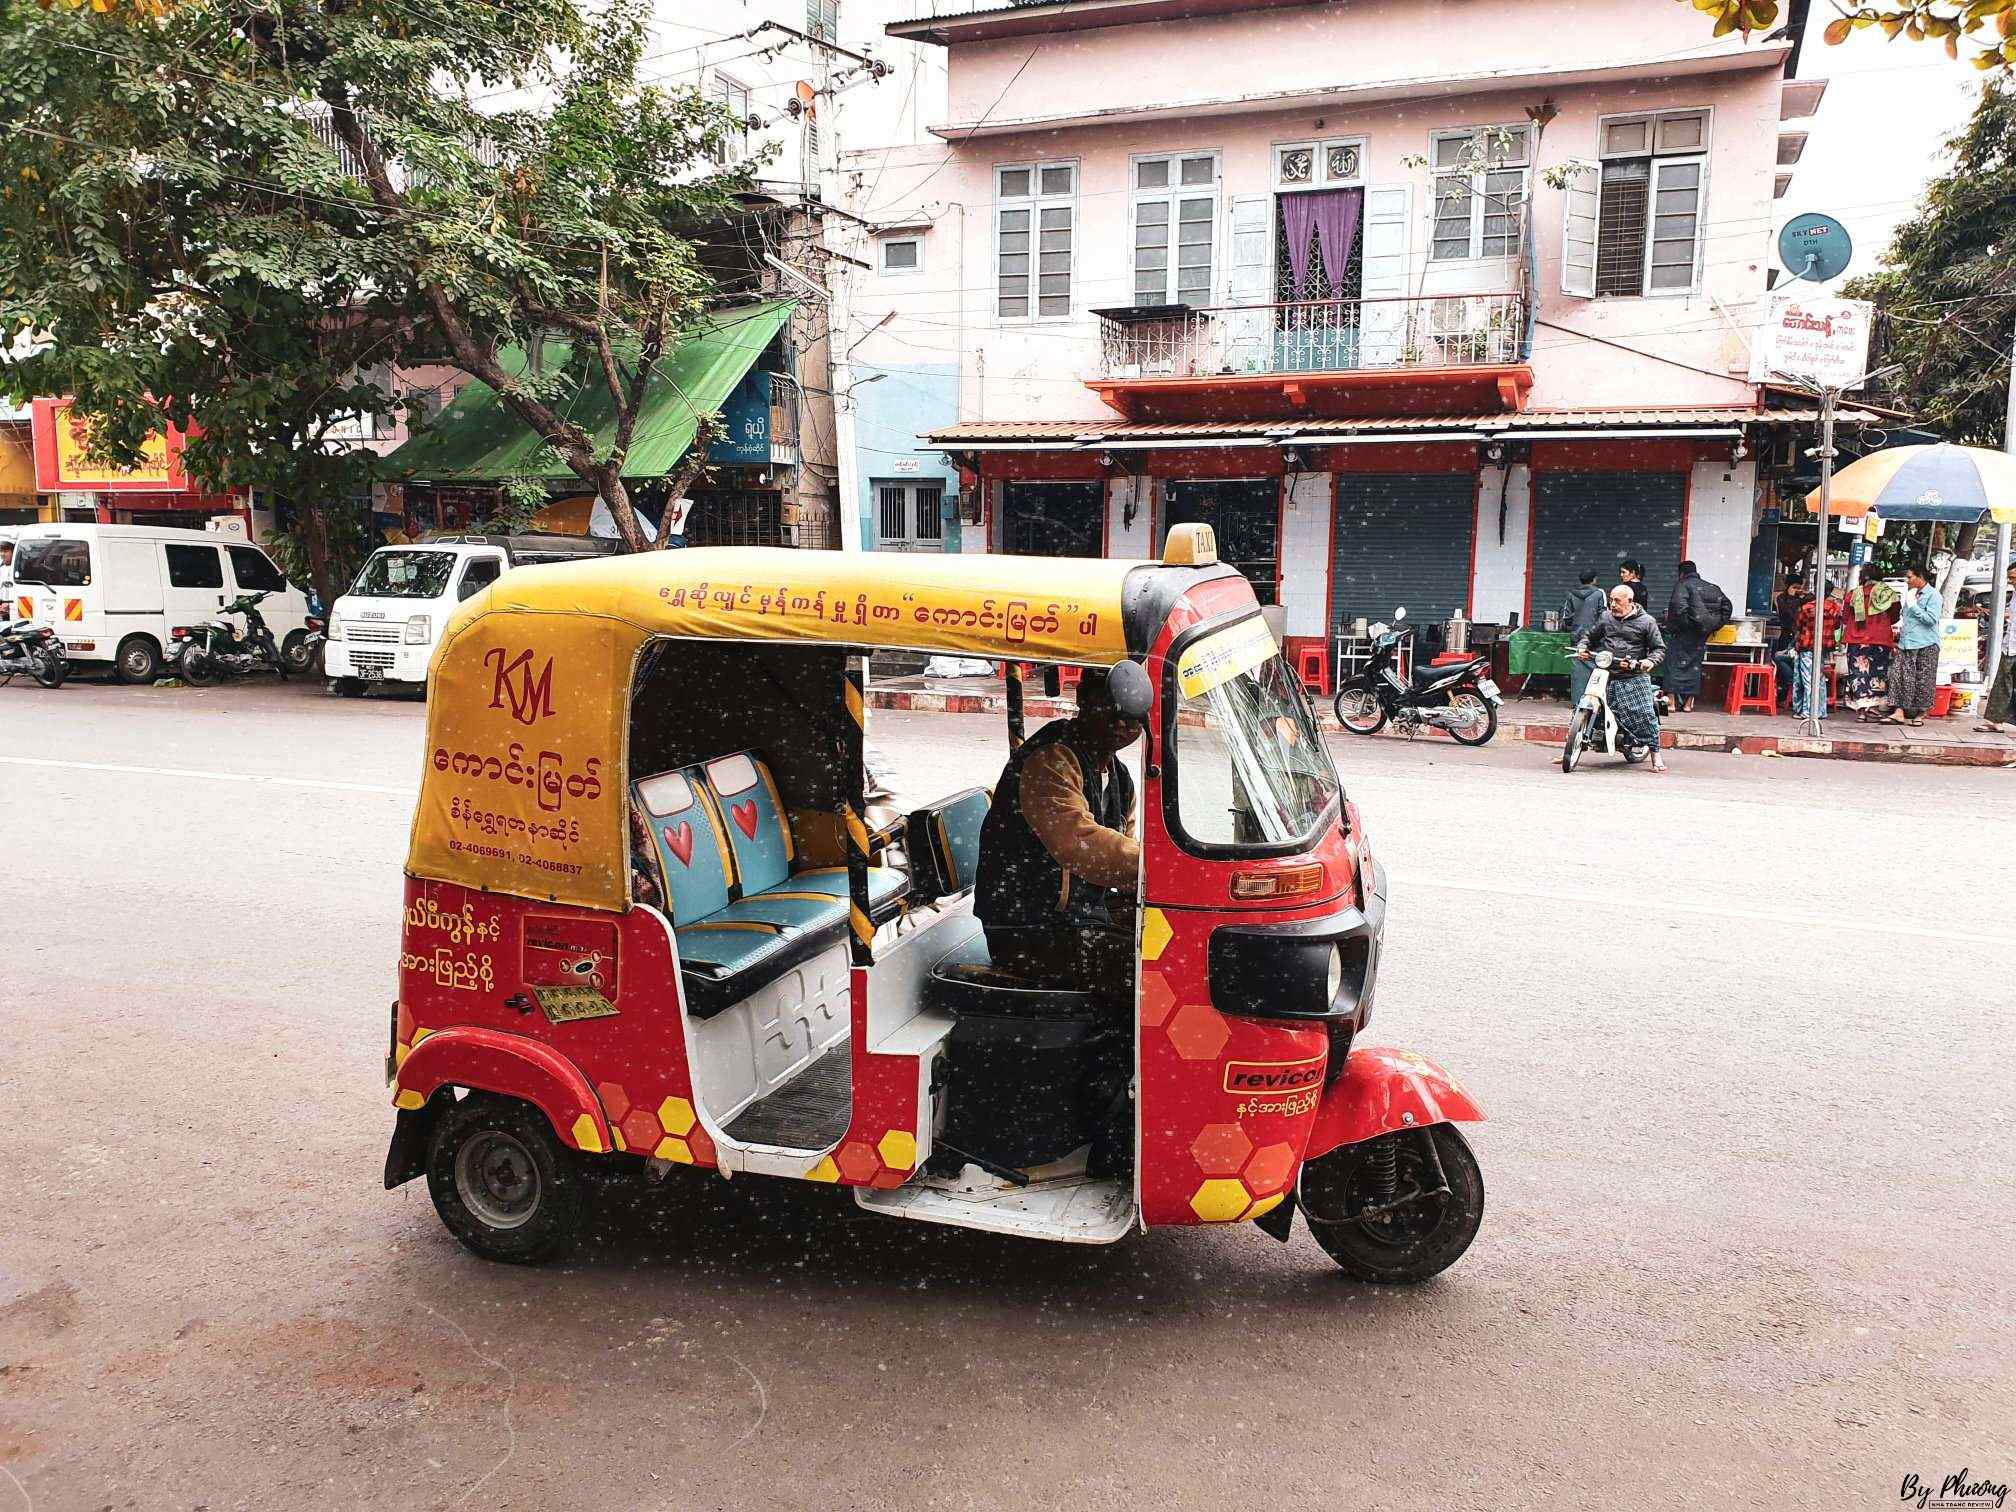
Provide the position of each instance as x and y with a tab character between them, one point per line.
1305	555
904	400
1499	585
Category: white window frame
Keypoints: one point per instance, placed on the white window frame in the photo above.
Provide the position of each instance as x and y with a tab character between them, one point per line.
1173	194
914	491
1474	251
1035	203
726	90
1657	158
1320	176
884	243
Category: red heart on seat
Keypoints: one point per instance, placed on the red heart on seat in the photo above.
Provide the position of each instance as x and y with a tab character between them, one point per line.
745	817
680	838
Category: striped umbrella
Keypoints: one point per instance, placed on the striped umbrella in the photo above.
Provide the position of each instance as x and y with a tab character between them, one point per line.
1953	483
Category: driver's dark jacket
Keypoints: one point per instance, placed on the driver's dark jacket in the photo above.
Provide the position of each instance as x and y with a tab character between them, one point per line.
1635	638
1083	801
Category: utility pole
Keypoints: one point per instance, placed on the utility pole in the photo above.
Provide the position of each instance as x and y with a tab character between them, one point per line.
1998	614
1830	396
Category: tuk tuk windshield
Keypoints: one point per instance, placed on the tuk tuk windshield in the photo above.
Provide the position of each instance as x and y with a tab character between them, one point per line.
405	574
1254	772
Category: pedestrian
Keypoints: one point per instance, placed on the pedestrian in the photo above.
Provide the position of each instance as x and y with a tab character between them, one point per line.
1579	612
1632	574
1914	670
1997	709
1869	637
1696	611
1809	697
1632	637
1784	647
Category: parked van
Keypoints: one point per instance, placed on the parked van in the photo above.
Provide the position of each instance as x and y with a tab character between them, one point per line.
386	627
116	593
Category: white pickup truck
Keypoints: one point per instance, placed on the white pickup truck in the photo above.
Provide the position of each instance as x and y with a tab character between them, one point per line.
385	628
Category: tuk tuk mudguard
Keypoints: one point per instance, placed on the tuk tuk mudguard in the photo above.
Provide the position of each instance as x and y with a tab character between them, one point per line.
1381	1090
511	1065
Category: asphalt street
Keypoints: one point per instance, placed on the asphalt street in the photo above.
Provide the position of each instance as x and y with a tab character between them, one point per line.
1750	1237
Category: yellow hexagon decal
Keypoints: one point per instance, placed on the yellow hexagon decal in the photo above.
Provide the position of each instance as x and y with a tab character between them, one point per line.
419	1035
1221	1201
899	1149
1155	934
1266	1205
408	1099
585	1137
616	1133
677	1115
674	1149
824	1171
399	1053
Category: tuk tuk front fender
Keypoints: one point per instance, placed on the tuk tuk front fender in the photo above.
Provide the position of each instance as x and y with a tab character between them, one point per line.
1383	1089
511	1065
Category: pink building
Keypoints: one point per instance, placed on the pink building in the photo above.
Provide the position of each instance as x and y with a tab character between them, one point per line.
1430	302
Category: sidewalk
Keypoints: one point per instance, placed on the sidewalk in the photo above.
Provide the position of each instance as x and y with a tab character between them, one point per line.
1544	721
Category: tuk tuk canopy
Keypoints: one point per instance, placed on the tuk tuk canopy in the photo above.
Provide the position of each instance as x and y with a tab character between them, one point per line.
524	789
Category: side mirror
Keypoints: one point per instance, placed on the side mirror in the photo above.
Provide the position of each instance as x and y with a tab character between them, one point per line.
1400	613
1133	694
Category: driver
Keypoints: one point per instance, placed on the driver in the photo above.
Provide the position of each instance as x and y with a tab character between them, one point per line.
1632	637
1059	865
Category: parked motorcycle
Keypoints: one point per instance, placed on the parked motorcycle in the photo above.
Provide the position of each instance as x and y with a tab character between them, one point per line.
1460	697
1594	726
34	650
213	650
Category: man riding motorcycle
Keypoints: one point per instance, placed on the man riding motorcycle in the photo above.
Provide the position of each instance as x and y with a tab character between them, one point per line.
1632	636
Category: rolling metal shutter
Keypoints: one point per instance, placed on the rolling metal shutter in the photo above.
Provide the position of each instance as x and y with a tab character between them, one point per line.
1402	539
1585	520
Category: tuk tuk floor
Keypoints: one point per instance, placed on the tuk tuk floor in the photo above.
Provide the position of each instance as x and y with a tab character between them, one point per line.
806	1113
1749	1237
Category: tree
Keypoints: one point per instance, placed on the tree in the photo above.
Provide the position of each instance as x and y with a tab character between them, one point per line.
1947	292
230	216
1984	31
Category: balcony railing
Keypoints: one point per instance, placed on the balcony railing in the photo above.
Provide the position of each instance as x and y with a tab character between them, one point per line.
1311	336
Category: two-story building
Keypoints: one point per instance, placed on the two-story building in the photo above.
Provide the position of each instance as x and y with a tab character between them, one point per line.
1424	302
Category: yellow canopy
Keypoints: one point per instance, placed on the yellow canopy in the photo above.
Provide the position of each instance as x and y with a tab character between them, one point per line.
528	695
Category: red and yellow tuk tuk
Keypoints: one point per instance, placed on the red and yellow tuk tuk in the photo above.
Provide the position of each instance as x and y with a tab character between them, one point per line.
651	919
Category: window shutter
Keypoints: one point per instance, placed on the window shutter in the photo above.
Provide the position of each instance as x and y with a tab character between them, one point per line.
1249	281
1674	260
1383	317
1578	230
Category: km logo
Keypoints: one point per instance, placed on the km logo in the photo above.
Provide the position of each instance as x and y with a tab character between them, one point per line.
530	698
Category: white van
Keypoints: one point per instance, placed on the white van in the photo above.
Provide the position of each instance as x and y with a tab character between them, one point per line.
116	593
385	628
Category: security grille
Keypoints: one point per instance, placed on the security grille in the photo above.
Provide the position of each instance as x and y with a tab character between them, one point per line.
736	517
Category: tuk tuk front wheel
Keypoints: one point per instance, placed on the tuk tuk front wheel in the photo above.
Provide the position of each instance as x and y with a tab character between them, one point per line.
1408	1221
501	1180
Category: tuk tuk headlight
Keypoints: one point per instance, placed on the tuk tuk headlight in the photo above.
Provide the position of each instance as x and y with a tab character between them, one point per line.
1334	984
417	630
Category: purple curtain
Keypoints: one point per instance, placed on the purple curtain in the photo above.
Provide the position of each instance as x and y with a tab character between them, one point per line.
1333	214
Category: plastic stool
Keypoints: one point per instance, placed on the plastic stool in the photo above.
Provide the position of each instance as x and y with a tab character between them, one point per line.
1312	665
1753	689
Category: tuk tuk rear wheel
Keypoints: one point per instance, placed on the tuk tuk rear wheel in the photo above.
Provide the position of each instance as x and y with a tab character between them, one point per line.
1409	1242
501	1180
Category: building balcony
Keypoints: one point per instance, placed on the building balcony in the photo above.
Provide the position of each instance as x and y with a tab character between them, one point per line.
1424	354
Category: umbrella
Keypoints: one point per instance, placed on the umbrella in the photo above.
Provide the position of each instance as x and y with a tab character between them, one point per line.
1955	483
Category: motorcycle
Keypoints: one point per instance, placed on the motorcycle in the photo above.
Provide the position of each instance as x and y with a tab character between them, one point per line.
1460	697
26	647
1594	726
209	652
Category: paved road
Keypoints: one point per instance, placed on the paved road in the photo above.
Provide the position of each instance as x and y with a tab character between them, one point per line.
1743	1031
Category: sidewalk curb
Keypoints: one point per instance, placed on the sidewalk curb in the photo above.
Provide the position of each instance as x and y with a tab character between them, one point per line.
1919	753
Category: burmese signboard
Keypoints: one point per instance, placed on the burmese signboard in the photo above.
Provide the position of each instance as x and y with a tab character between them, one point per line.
1815	339
62	461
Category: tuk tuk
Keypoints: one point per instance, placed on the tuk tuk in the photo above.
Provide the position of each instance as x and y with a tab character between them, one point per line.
652	920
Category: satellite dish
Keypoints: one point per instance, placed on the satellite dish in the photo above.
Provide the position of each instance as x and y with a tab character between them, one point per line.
1814	247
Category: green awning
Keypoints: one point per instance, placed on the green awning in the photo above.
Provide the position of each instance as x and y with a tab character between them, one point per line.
477	439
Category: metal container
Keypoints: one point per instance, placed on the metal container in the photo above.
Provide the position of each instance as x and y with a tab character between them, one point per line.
1456	635
1361	627
1550	619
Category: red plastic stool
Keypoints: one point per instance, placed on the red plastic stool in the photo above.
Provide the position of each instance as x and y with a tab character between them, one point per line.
1753	689
1312	665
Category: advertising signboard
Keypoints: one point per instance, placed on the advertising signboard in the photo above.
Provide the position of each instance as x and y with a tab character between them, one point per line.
62	444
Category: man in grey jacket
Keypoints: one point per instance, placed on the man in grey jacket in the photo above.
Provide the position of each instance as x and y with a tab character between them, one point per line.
1632	638
1579	612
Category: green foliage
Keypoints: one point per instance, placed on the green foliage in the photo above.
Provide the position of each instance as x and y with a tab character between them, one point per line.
1948	282
239	217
